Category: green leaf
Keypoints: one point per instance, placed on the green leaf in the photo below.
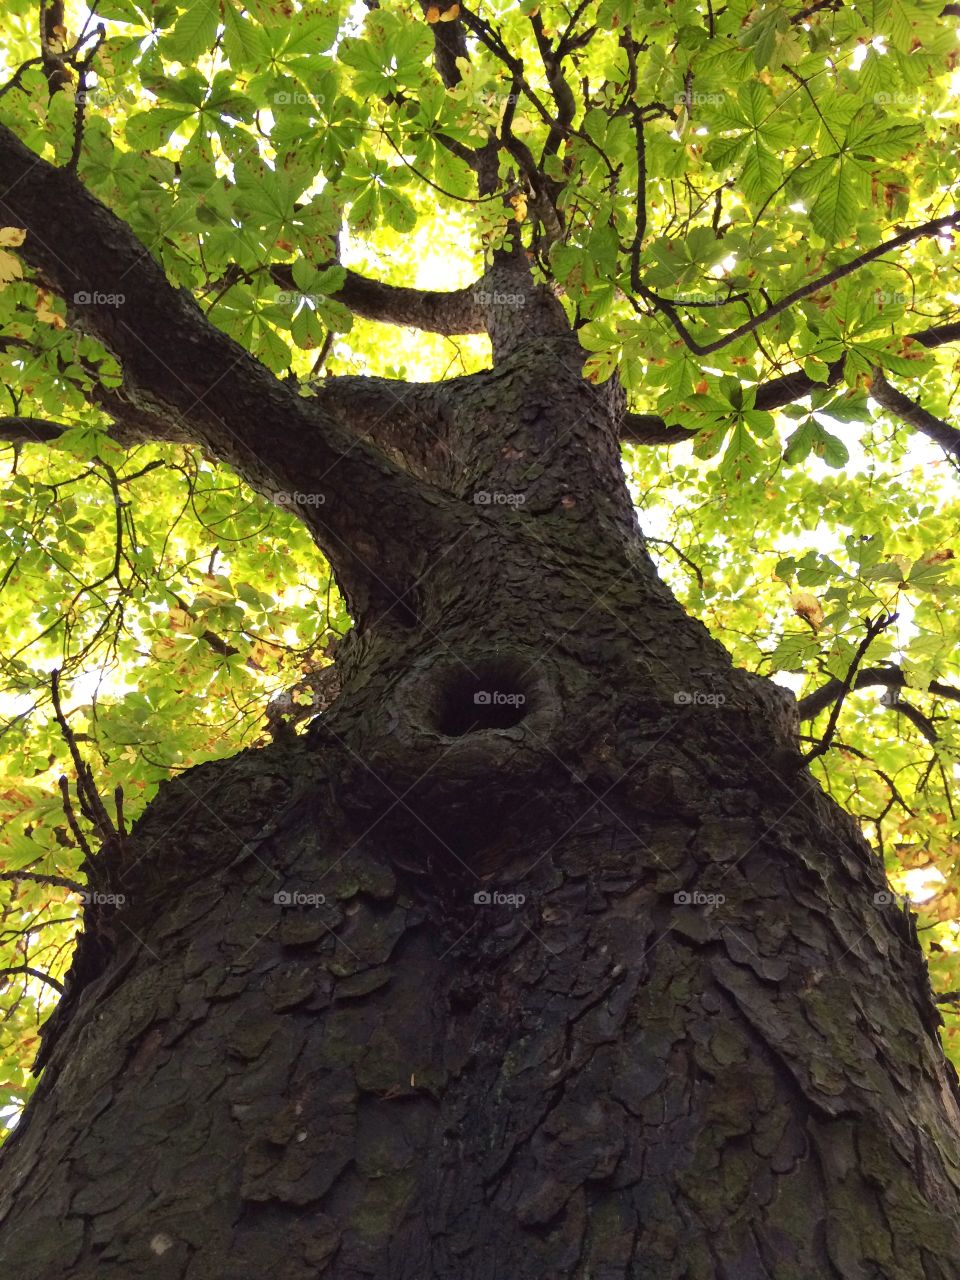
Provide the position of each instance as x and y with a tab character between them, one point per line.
150	130
834	212
194	32
398	212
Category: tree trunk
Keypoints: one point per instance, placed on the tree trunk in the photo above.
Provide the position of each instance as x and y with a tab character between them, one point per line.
541	955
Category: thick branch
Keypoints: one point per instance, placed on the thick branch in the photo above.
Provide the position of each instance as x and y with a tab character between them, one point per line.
52	23
794	386
435	311
31	430
912	413
38	877
405	420
449	44
817	7
176	363
648	428
33	973
888	677
559	87
932	228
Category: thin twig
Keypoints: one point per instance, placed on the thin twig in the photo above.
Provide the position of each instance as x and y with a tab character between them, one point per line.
874	628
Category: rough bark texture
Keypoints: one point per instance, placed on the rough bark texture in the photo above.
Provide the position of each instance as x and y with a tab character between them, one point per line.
699	1049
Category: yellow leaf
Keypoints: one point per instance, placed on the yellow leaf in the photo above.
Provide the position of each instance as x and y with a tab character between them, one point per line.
433	14
519	202
10	268
808	607
11	237
449	15
45	312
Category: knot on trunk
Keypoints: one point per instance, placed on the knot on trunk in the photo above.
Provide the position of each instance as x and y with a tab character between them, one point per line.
463	747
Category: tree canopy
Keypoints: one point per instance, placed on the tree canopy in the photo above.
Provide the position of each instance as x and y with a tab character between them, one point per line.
748	213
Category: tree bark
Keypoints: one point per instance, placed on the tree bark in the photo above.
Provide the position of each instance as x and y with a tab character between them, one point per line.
541	954
701	1046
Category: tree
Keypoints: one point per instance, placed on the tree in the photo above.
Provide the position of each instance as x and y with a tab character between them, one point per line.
541	951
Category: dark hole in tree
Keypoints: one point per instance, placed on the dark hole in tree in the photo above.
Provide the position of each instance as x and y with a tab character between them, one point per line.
493	698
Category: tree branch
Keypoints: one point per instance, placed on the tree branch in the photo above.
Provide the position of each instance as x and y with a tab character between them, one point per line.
893	702
33	973
435	311
889	677
449	44
931	228
403	419
61	882
31	430
648	428
52	23
794	386
562	93
912	413
874	627
817	7
176	363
